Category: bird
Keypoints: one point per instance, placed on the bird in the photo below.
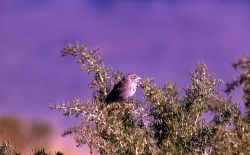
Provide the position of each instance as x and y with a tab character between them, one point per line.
124	89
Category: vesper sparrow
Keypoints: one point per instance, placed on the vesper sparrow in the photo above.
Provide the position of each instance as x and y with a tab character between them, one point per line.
124	89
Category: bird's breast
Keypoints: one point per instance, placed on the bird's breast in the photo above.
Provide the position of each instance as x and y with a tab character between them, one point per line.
131	91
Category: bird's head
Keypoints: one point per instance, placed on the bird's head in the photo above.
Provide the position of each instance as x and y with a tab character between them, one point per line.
133	78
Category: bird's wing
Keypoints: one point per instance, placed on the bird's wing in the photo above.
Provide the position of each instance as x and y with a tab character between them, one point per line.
115	93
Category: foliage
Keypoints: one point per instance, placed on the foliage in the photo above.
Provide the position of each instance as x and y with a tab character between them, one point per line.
7	149
243	79
166	121
42	151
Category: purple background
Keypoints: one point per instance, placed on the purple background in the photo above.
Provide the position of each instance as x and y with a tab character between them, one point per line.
161	39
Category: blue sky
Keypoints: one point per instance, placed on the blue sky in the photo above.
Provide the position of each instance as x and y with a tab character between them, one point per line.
160	39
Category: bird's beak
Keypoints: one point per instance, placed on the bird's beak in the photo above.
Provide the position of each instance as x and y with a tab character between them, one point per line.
139	79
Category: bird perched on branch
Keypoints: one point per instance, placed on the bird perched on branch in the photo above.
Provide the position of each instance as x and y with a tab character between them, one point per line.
124	89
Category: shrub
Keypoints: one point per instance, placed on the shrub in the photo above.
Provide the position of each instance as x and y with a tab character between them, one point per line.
166	121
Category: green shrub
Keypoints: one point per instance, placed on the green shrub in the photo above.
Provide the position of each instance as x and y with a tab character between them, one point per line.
166	121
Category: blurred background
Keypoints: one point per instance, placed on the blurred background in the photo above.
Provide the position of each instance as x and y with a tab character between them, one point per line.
163	39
